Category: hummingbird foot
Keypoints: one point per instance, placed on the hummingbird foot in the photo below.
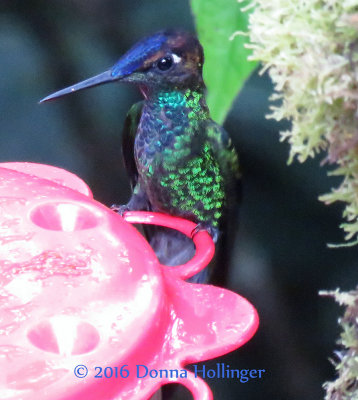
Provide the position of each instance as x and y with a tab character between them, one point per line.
137	202
202	226
120	209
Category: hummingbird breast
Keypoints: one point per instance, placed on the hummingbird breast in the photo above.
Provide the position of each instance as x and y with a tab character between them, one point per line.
175	165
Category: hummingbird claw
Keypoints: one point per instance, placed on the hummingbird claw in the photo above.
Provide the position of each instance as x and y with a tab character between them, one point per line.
120	209
213	232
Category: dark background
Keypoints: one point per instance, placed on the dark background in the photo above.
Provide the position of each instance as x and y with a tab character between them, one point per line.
281	259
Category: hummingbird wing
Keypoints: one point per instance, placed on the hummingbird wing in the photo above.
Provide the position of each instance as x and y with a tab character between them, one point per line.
128	135
226	156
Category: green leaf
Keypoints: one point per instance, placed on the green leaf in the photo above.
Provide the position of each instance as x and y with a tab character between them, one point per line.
226	67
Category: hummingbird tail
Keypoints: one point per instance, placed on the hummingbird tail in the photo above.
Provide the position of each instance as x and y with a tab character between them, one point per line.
173	248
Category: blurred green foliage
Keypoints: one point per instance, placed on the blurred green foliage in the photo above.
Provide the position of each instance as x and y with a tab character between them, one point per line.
226	66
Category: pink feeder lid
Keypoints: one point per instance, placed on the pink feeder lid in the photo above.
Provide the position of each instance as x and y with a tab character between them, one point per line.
79	286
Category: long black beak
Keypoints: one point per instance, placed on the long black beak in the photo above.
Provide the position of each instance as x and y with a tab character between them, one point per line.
100	79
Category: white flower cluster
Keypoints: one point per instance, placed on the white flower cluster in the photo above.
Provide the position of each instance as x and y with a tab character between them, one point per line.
310	49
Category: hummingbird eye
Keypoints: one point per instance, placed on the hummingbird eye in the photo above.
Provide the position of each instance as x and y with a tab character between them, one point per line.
165	63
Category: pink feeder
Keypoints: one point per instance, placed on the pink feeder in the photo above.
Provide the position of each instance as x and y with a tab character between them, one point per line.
87	311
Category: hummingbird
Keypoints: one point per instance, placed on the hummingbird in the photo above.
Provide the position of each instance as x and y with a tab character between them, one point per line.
179	161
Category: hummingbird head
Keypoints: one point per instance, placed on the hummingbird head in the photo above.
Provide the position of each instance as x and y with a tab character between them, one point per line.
170	59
